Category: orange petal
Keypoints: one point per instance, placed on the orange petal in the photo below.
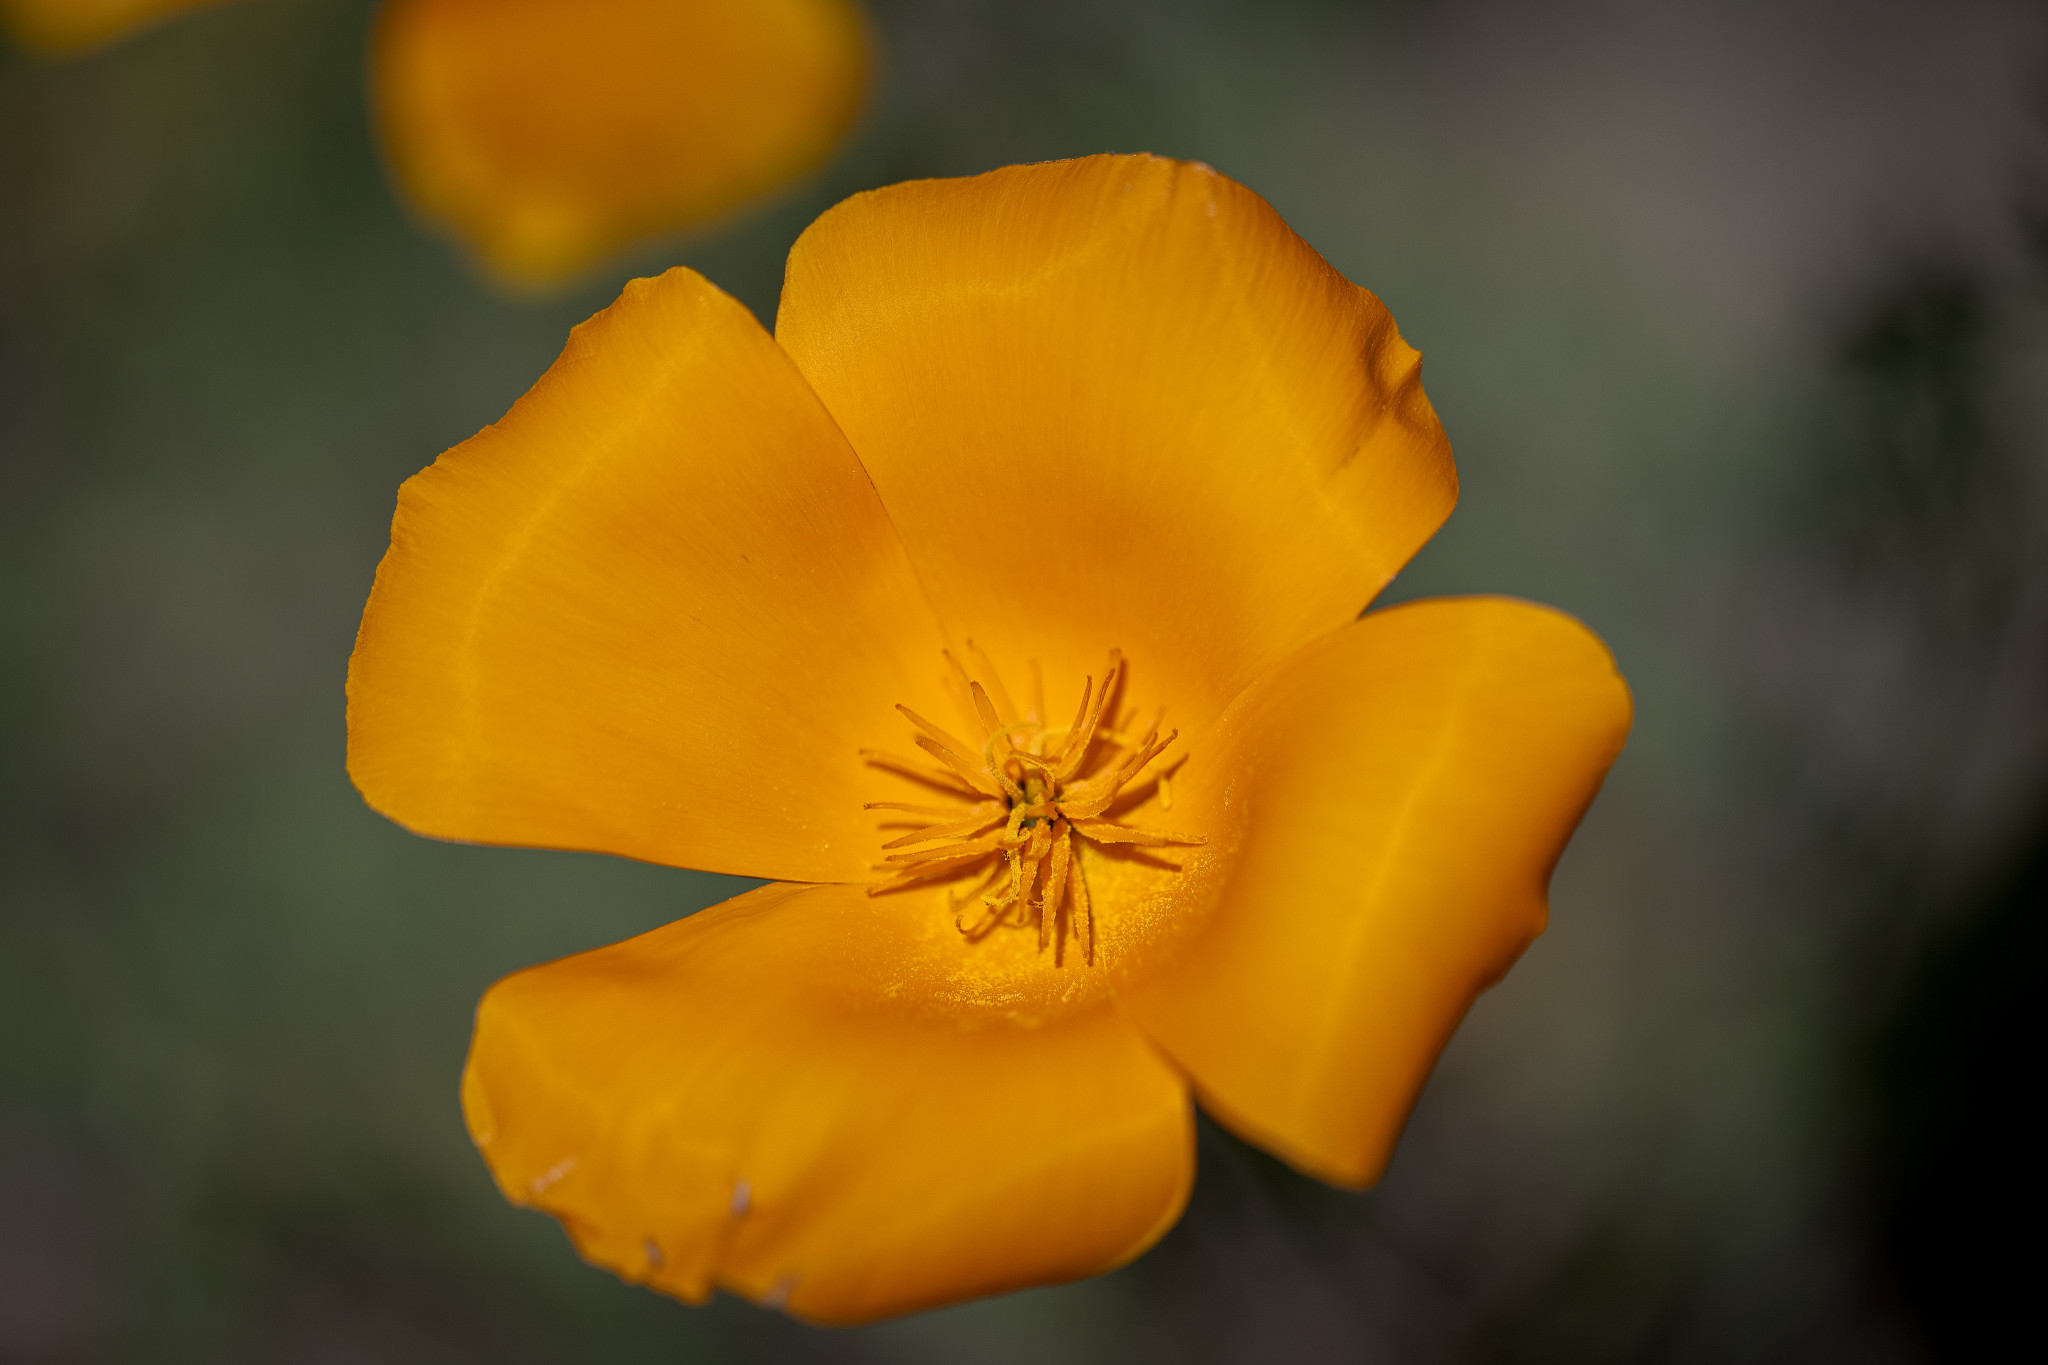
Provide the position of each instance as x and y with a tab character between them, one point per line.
656	610
64	26
548	134
1396	795
751	1098
1117	402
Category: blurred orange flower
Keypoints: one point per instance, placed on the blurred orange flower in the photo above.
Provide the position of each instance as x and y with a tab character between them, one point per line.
548	134
690	601
63	26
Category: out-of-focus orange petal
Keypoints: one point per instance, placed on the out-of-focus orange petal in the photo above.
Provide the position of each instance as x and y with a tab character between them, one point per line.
61	26
656	610
1117	402
1391	802
549	133
746	1099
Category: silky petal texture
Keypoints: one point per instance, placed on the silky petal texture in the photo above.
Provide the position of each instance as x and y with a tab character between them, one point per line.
65	26
548	135
1117	402
1391	801
656	610
744	1099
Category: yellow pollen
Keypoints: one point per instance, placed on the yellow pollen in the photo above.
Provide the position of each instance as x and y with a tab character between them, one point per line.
1025	791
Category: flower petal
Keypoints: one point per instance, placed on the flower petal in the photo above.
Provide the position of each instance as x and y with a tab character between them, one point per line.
548	135
1117	402
656	610
1397	795
64	26
749	1098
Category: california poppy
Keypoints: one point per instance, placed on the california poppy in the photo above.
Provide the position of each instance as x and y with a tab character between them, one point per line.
59	26
1003	608
548	134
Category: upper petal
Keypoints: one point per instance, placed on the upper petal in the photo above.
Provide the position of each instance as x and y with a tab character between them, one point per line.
58	26
1392	800
750	1098
656	610
548	135
1116	402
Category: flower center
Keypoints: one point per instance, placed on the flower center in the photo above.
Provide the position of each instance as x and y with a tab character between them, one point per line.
1026	790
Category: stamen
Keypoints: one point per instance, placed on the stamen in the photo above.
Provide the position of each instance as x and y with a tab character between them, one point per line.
1094	795
1149	749
1078	745
972	849
1001	904
1108	832
1080	716
1035	851
1026	779
934	731
984	815
1028	731
1055	882
1085	909
979	781
996	690
991	724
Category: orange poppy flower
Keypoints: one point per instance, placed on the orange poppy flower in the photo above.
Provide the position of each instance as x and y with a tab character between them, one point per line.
1003	608
548	134
60	26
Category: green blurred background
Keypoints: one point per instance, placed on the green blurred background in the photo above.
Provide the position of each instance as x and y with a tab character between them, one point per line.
1735	313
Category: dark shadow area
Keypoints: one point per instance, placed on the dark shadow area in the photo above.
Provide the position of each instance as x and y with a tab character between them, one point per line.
1964	1189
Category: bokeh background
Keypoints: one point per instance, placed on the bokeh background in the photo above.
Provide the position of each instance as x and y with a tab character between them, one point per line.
1737	314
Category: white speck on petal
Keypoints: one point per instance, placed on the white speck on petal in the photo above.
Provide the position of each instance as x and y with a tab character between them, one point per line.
742	1198
654	1256
778	1293
553	1173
